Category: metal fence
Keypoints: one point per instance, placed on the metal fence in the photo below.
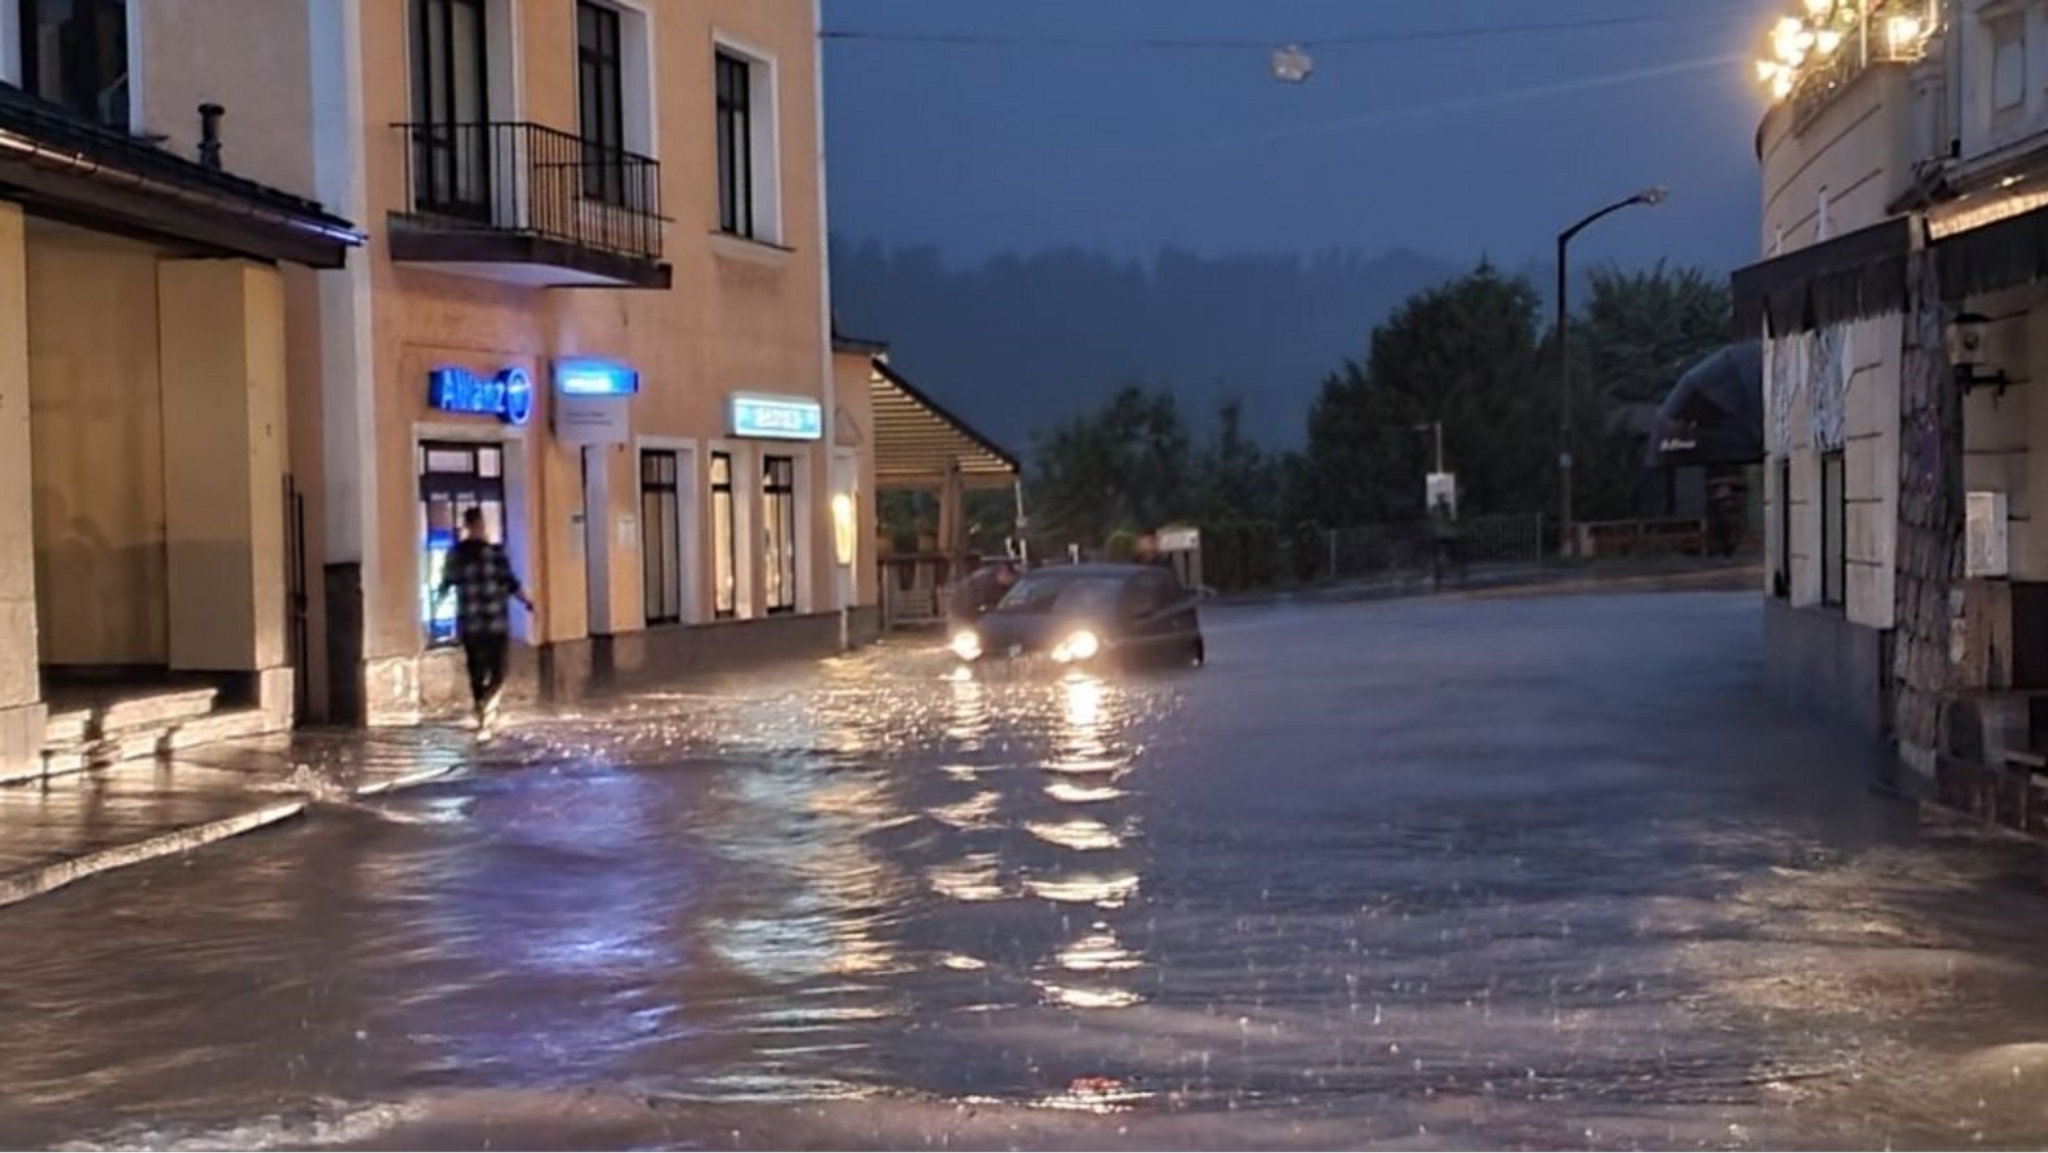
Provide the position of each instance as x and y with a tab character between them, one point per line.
530	180
1410	547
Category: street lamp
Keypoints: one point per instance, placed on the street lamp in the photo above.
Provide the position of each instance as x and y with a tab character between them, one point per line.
1648	198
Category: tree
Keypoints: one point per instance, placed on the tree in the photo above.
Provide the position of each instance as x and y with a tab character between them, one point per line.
1637	334
1235	479
1464	354
1123	466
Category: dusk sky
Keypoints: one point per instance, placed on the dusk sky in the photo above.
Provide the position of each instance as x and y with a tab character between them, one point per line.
1453	146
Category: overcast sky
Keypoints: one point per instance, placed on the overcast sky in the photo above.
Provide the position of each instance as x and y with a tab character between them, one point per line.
1454	146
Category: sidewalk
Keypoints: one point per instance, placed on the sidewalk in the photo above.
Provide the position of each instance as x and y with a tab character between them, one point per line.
68	828
1526	580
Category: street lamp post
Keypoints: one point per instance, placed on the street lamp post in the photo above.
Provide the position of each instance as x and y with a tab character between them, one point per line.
1649	198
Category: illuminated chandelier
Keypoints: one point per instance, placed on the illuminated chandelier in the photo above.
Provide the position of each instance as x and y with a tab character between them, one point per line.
1817	35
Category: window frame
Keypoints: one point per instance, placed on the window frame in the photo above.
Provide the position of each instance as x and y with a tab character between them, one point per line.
733	139
601	79
466	187
22	57
725	553
783	583
661	543
1834	528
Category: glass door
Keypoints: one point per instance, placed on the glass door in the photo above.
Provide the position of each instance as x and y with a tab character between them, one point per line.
778	520
661	552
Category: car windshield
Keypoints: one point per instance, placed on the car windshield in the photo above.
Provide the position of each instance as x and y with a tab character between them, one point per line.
1048	592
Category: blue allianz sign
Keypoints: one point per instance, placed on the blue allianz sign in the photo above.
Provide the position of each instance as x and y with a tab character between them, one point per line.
777	417
507	396
585	377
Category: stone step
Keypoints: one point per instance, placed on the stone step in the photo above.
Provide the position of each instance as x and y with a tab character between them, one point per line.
222	726
125	746
67	728
158	711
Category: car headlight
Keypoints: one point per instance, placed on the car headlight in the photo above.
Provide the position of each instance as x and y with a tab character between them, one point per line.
967	645
1082	646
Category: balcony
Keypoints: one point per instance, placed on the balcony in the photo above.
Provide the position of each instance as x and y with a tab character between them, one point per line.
529	205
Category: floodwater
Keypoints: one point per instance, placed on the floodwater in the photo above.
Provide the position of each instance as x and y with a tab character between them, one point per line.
1541	872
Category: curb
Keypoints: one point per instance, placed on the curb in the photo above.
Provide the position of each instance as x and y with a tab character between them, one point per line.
41	880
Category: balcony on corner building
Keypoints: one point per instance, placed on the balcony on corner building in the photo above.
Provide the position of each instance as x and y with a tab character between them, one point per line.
1817	56
529	205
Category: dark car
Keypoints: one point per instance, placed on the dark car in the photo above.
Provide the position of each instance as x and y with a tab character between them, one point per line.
1090	614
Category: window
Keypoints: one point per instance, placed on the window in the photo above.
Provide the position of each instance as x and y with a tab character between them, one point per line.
735	145
75	53
601	89
661	551
1781	584
451	107
454	478
778	520
724	540
2009	63
1834	510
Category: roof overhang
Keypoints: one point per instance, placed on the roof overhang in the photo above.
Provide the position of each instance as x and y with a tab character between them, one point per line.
918	444
62	167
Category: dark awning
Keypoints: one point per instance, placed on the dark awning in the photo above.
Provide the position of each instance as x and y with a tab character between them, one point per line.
1715	414
64	166
1853	277
918	444
2006	254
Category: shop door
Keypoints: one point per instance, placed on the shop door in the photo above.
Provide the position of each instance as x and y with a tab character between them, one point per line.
454	478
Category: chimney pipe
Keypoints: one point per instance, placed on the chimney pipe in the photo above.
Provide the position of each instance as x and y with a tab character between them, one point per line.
209	134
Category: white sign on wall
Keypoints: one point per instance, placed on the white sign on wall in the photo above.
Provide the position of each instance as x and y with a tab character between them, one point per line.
593	420
1988	543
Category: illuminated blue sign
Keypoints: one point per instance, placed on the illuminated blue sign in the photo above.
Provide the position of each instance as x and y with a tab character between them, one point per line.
595	378
777	417
507	396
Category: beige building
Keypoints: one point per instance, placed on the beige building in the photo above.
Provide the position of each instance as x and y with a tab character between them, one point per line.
587	294
144	460
594	304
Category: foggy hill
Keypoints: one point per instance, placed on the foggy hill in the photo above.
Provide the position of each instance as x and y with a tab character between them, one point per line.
1015	344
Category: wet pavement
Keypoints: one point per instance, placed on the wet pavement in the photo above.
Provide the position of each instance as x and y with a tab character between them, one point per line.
1531	872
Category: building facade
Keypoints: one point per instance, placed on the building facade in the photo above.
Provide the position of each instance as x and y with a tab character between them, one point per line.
1903	305
560	260
594	304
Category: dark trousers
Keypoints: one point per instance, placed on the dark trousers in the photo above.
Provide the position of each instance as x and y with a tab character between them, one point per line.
486	656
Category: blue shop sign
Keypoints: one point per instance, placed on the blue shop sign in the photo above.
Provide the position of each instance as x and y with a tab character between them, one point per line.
507	396
777	417
585	377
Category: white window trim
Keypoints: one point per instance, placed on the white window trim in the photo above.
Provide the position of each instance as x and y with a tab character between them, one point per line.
765	126
639	77
806	535
692	502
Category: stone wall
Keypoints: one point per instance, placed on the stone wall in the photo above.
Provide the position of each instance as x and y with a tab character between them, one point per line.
1930	540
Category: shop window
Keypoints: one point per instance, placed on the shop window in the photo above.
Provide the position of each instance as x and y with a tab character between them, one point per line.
75	53
661	553
601	91
725	578
454	478
778	520
1834	517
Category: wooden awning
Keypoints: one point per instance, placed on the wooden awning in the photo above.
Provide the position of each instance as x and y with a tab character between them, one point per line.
917	443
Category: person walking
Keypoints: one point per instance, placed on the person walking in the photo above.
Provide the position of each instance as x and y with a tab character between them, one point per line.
479	573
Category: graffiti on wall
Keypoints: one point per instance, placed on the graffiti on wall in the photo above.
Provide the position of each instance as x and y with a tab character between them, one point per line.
1808	375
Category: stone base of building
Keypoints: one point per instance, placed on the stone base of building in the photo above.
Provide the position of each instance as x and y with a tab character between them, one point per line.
21	740
1818	660
435	685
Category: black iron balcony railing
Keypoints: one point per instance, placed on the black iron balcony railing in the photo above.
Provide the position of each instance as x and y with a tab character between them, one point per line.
529	180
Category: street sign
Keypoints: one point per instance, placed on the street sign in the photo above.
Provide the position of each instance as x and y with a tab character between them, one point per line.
1442	488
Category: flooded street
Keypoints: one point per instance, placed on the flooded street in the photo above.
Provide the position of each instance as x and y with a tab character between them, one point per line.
1538	872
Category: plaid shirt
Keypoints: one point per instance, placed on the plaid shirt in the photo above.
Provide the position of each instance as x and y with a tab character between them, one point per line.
484	583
